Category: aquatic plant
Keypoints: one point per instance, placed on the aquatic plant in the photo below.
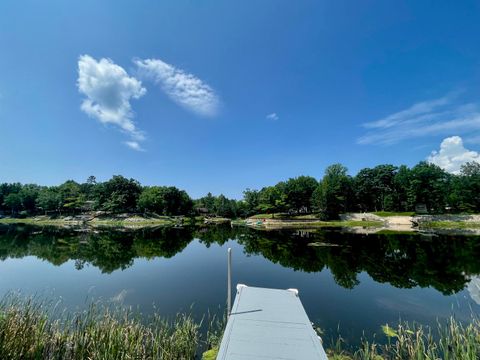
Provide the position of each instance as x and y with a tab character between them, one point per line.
449	340
35	329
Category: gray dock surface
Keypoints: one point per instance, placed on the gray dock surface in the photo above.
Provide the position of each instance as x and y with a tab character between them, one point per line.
269	324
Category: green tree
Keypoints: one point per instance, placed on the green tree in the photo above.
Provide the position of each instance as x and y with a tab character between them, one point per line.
70	196
87	189
271	200
364	185
298	193
401	183
251	200
177	202
5	190
375	188
49	199
28	195
165	201
429	185
118	194
152	200
13	202
464	192
207	202
334	193
225	207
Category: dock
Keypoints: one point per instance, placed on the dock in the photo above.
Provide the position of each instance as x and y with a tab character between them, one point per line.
269	324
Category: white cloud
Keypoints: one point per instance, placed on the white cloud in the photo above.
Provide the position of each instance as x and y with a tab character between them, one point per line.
185	89
473	288
108	90
272	116
452	155
134	145
419	109
433	117
120	297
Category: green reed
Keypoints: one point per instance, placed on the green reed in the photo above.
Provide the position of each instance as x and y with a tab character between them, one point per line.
449	340
27	331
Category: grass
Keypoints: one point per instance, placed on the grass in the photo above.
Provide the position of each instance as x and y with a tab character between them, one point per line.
340	224
32	329
130	222
238	222
449	341
28	330
391	213
32	221
323	224
270	216
285	216
140	222
449	225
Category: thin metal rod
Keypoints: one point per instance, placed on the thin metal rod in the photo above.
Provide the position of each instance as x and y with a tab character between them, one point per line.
229	287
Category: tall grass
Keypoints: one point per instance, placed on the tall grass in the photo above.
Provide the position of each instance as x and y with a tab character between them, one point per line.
27	331
450	340
34	329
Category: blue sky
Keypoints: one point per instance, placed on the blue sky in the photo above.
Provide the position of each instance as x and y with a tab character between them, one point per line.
223	95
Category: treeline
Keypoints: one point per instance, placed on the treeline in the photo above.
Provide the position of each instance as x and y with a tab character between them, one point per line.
117	195
382	188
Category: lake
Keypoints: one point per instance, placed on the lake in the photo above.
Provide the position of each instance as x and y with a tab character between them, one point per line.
351	283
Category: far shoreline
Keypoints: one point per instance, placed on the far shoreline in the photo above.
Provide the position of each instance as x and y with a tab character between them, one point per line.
358	222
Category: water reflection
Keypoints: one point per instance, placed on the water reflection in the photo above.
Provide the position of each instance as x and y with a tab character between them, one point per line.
473	288
446	263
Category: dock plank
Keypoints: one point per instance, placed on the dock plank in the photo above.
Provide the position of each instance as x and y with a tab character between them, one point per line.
269	324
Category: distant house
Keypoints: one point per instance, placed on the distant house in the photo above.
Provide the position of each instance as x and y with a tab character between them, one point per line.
88	205
201	210
421	209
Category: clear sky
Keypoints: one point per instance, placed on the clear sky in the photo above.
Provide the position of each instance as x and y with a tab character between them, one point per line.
223	95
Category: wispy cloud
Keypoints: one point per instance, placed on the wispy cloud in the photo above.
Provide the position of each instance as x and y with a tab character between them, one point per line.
413	112
434	117
473	288
272	116
120	297
185	89
134	145
108	90
452	155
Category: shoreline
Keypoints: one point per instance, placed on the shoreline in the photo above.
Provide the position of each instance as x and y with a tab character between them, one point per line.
357	222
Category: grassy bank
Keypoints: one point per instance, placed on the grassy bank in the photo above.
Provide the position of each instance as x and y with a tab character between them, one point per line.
113	222
450	225
306	221
285	216
391	213
449	341
27	331
324	224
133	221
32	329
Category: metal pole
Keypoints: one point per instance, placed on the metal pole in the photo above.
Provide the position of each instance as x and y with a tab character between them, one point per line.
229	287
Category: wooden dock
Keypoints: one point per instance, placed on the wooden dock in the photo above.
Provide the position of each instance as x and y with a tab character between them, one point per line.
269	324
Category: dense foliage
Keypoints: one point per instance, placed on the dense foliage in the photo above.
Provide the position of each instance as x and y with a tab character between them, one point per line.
382	188
116	195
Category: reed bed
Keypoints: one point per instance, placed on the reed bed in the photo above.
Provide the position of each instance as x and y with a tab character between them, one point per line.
35	329
448	341
27	331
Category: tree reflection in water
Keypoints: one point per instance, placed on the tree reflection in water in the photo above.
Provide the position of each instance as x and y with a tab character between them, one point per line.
446	263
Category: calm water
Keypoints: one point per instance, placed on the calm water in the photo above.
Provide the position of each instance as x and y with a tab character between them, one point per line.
348	281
